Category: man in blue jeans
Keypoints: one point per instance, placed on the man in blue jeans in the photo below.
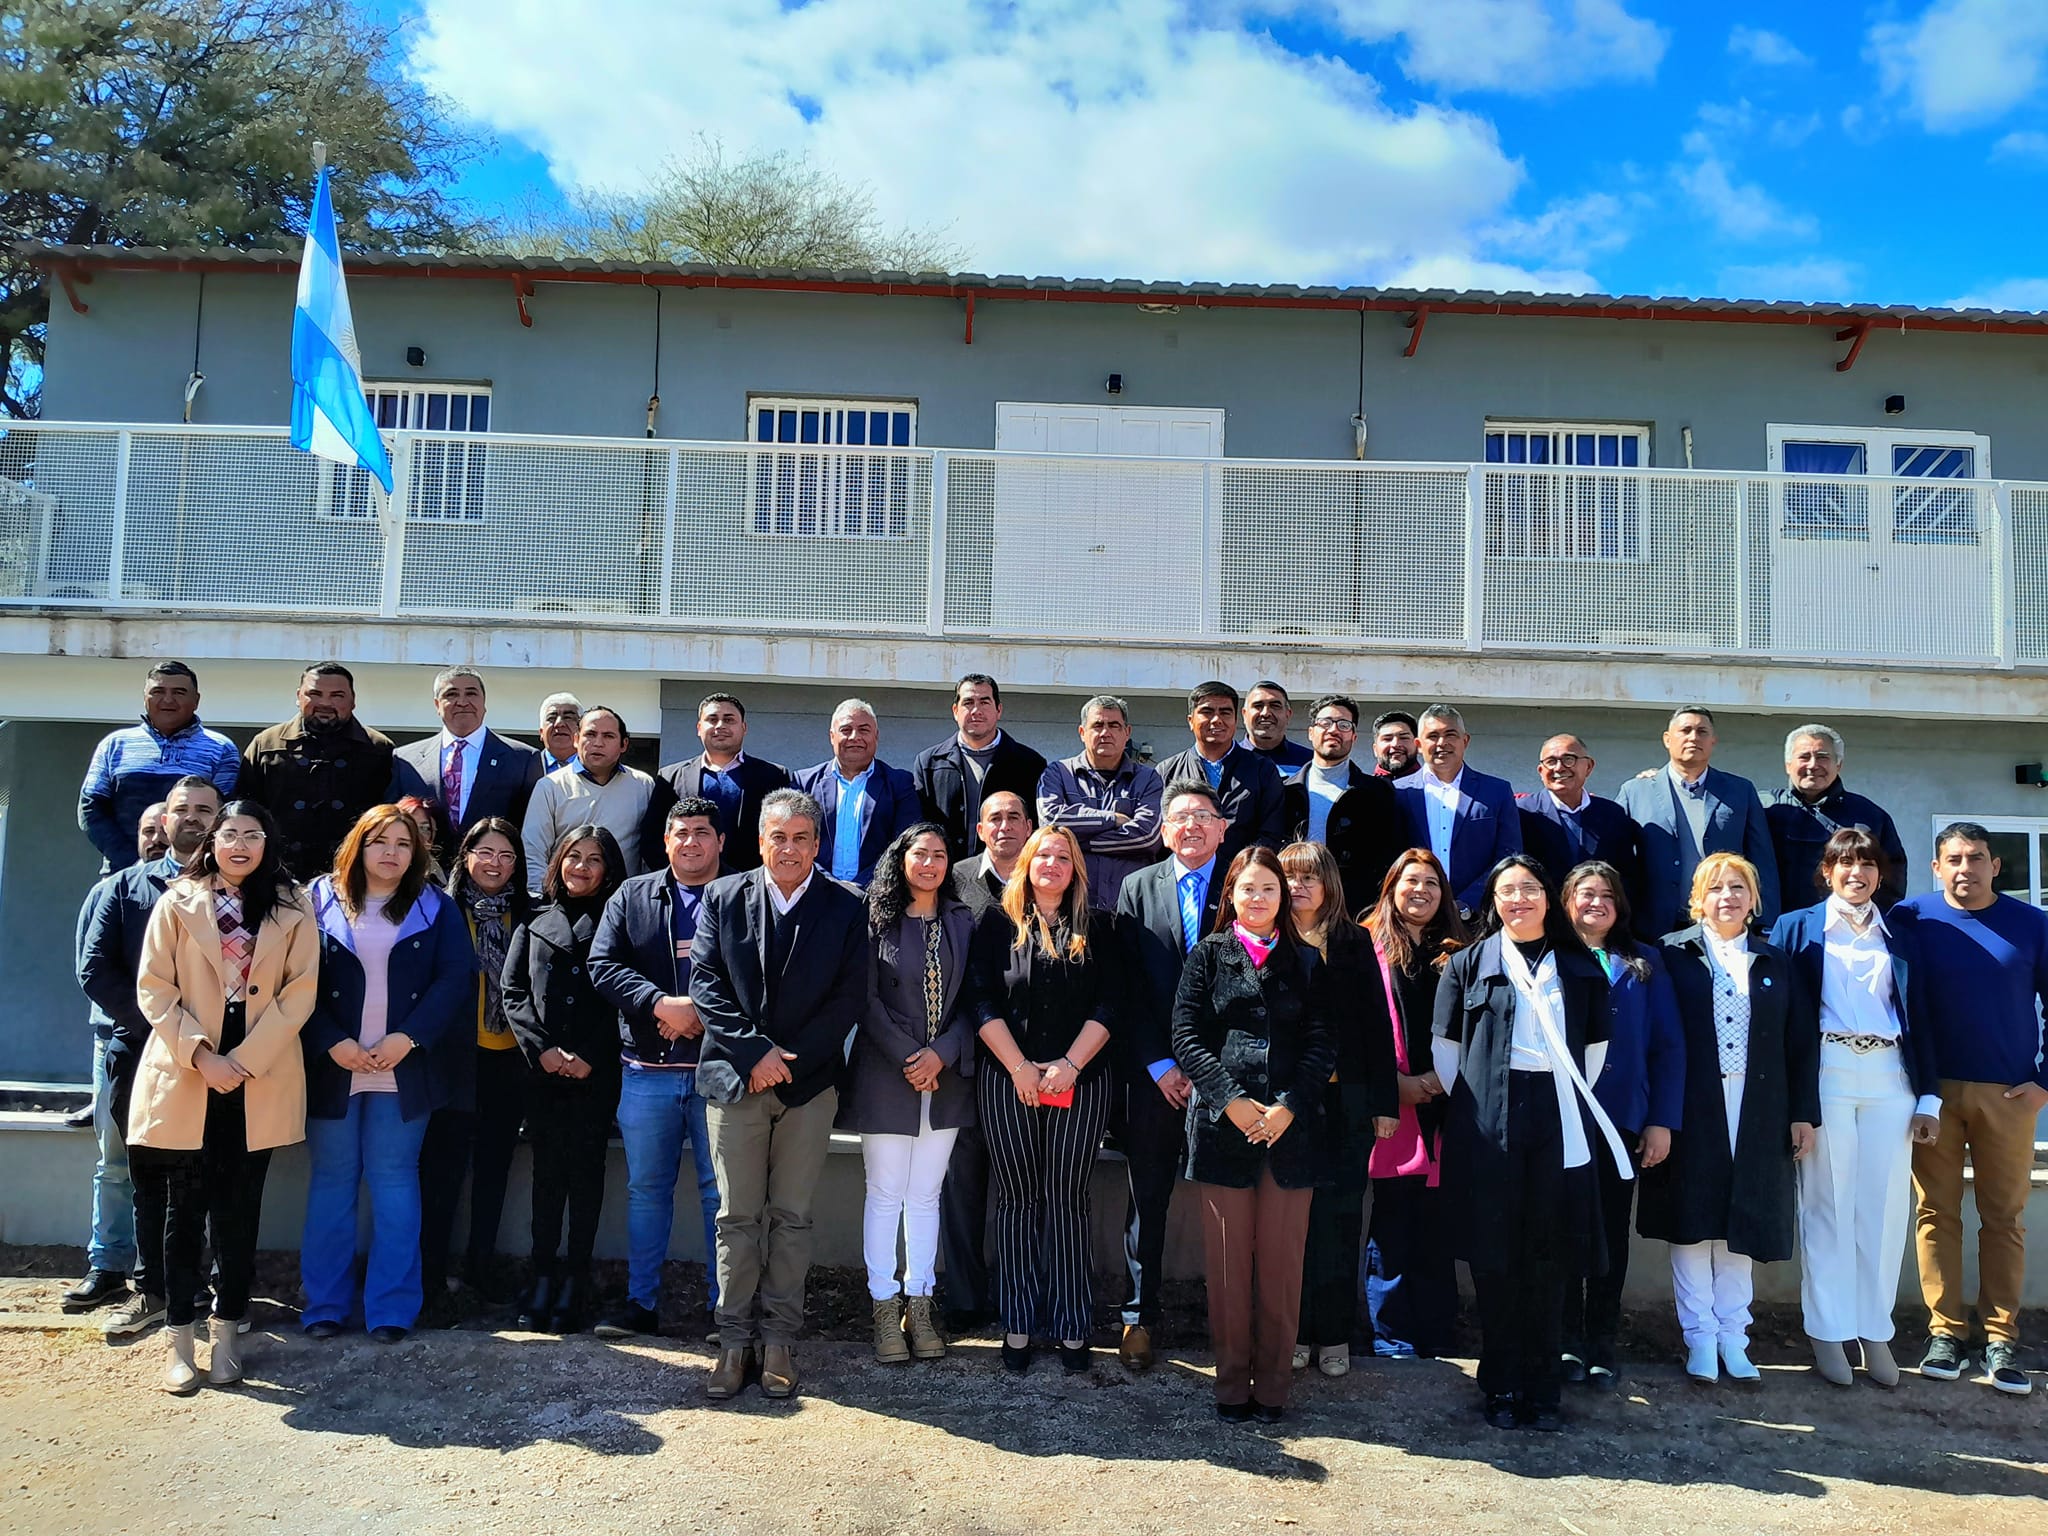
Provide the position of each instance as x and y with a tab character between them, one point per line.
640	961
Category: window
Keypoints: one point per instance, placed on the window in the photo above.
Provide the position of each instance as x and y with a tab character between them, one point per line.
839	493
448	477
2017	844
1576	513
1826	508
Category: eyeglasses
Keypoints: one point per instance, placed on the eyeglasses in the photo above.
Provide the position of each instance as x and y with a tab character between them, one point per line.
1192	818
1337	723
1562	760
1518	892
252	839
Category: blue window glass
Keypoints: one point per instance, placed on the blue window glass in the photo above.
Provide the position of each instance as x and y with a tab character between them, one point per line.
785	427
1631	448
458	413
857	428
899	429
479	413
807	427
1496	448
437	413
764	426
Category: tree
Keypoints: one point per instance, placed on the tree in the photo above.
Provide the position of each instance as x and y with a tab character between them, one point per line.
761	210
191	122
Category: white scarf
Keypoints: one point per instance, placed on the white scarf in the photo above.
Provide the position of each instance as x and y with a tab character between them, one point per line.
1532	992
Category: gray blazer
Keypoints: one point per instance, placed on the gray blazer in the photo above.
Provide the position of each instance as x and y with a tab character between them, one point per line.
878	1101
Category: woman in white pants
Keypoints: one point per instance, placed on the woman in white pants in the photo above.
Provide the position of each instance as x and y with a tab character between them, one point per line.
909	1093
1878	1095
1723	1198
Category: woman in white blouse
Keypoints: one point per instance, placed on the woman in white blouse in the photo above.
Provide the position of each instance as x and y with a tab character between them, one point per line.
1878	1095
1723	1199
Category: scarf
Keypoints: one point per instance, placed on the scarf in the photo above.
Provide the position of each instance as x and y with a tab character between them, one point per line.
1532	991
1255	946
489	924
237	943
934	981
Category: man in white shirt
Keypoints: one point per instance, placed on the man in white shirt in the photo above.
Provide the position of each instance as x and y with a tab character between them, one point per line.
1465	817
466	768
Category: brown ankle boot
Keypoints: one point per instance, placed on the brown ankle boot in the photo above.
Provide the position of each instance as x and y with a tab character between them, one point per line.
925	1342
729	1376
778	1371
891	1348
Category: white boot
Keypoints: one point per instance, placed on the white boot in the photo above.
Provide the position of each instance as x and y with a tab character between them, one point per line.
181	1374
225	1369
1735	1360
1878	1361
1703	1363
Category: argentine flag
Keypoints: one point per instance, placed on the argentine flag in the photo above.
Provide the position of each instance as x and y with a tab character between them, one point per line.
330	416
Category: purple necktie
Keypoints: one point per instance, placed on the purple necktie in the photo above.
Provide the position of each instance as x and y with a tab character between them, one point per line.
451	784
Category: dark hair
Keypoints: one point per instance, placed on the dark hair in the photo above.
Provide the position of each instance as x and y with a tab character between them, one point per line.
1442	936
1701	710
192	781
1396	717
1257	856
352	881
1557	927
889	891
614	864
995	693
1190	787
172	669
1271	687
1853	845
695	805
1335	701
328	669
1967	831
1213	689
722	698
458	877
1619	944
605	709
267	887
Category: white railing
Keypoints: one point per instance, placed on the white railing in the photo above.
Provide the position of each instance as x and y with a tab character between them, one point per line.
1471	557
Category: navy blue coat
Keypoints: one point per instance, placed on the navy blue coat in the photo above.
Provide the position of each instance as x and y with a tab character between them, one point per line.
890	805
430	990
111	926
1798	834
633	961
1643	1082
1802	935
1486	829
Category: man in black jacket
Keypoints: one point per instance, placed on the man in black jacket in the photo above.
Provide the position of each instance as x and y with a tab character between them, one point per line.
1564	825
318	771
779	973
723	774
1812	807
1246	784
1350	811
977	761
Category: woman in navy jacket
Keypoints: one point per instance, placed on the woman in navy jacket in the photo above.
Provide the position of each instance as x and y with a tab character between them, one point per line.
397	974
1642	1088
1878	1095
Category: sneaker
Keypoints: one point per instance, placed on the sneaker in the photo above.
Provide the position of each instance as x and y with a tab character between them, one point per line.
1945	1359
630	1321
99	1287
2002	1368
133	1315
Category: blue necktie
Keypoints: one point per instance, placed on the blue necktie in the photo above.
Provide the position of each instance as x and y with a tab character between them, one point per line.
1190	909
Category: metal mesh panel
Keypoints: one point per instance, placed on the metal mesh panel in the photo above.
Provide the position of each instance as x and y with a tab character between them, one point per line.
61	488
2030	572
970	541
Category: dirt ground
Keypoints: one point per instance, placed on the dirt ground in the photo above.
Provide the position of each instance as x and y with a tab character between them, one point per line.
471	1429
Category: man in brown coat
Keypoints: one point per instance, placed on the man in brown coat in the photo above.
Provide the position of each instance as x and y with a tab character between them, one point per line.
318	771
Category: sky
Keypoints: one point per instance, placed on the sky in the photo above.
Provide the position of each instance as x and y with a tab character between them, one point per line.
1831	150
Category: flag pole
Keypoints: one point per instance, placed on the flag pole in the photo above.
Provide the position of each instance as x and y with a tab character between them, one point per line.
319	157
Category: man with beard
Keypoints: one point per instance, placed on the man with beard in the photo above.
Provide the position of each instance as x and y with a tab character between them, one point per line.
318	771
1394	752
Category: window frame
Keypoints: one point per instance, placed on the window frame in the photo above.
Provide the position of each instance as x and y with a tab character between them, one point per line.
461	508
1569	523
779	480
1879	445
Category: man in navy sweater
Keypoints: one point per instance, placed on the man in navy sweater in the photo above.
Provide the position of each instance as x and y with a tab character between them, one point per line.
1984	965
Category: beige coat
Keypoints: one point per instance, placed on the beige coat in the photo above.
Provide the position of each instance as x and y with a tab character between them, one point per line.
182	991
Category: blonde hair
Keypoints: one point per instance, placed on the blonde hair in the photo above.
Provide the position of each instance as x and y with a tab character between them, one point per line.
1023	911
1711	869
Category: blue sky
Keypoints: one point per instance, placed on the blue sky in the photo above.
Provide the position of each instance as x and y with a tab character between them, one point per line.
1893	152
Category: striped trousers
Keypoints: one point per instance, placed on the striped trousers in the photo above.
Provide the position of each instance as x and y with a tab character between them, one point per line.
1040	1161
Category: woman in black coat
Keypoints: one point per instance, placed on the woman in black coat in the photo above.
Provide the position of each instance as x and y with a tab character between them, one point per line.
1250	1032
1723	1199
1360	1103
1521	1034
570	1035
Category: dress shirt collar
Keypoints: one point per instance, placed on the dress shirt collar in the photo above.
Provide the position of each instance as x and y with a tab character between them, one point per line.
1723	949
730	768
1569	810
1696	786
1837	918
1441	788
776	898
474	741
1181	871
994	742
858	781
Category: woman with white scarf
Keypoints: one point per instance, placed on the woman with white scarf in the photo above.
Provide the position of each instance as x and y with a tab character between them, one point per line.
1521	1033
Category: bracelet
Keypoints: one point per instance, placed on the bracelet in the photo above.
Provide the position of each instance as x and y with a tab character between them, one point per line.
1020	1067
1070	1065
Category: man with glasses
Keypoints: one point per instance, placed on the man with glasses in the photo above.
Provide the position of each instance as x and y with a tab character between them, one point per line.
1465	817
1563	825
1107	798
1334	802
559	715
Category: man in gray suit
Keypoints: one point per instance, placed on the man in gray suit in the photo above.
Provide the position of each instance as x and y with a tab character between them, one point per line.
1687	810
466	768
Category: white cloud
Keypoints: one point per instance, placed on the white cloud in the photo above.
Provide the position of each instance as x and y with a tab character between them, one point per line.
1763	47
1479	275
1738	210
1817	279
1520	46
1089	137
1963	62
2027	144
2020	293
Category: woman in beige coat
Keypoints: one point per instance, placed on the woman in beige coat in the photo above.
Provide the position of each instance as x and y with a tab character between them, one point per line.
230	968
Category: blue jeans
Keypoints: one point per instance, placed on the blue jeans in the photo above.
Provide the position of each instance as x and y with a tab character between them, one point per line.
658	1112
369	1144
113	1193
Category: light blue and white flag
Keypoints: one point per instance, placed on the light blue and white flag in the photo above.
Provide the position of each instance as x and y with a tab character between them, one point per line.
330	416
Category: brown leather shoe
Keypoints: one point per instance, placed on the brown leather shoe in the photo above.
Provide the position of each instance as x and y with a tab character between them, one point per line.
1136	1349
778	1371
729	1376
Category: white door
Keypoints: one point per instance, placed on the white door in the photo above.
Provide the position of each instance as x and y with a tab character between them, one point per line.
1113	546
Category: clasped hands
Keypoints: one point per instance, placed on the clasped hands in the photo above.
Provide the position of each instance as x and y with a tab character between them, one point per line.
223	1074
1262	1124
352	1056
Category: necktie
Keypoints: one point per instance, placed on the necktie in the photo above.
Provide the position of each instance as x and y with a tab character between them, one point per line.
1190	910
451	783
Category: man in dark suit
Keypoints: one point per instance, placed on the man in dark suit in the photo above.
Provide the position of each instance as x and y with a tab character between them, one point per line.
977	761
1812	807
723	774
467	768
883	800
1246	784
1466	818
1687	810
779	975
1351	812
1563	825
1161	913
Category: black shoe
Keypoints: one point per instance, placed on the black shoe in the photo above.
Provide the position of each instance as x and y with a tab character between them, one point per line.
1234	1413
326	1328
539	1304
1548	1420
390	1333
1574	1369
1601	1378
1016	1357
1075	1360
630	1320
99	1287
567	1316
1268	1413
438	1310
1500	1410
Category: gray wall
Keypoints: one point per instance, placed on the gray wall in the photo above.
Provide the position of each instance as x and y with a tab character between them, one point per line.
1289	380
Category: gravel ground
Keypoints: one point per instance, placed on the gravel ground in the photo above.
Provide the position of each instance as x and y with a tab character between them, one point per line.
475	1430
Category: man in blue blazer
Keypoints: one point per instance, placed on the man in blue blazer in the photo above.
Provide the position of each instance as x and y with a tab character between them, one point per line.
884	800
1466	818
1563	825
1687	810
466	768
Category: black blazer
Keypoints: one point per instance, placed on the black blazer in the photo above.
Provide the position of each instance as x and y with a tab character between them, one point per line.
1241	1029
1148	939
758	778
1365	833
977	889
551	1002
1251	794
1609	832
952	796
506	772
1701	1192
1803	936
810	1007
877	1099
1043	999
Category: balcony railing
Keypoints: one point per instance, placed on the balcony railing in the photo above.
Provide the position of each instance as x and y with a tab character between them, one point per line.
1450	557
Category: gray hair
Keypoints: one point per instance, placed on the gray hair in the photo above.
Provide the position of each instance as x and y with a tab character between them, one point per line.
1821	732
1106	701
1445	713
553	699
448	675
782	804
856	707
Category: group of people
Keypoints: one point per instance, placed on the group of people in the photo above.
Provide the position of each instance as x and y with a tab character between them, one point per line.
1283	976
